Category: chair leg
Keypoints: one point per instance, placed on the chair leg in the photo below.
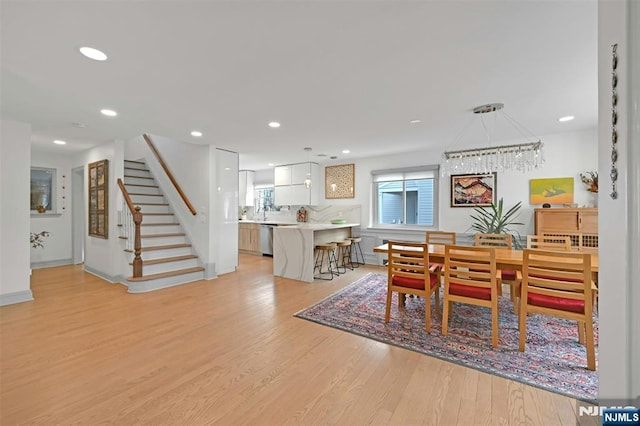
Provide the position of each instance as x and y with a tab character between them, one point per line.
446	308
437	298
387	314
427	314
581	332
591	352
494	324
522	326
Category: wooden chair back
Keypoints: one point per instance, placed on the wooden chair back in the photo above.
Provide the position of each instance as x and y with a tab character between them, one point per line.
548	242
441	237
494	240
470	276
558	283
408	272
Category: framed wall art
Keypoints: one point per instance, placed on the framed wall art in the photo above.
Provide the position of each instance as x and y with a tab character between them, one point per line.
473	190
551	191
99	199
339	181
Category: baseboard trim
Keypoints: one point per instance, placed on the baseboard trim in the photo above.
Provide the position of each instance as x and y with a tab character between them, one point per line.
50	263
16	297
109	278
210	271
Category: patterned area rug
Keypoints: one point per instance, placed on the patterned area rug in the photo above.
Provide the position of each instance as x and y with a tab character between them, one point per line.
553	360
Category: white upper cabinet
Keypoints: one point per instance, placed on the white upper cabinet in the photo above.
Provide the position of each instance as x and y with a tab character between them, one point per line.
297	184
245	188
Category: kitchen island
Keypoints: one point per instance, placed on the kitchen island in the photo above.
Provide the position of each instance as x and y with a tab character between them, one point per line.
293	247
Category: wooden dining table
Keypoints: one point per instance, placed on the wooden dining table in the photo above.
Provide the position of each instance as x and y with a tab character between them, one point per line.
505	258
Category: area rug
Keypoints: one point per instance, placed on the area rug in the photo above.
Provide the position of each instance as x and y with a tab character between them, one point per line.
553	360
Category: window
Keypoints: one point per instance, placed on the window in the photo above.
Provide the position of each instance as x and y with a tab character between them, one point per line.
43	189
405	197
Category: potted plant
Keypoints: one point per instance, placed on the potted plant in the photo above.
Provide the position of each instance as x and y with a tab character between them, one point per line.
494	220
37	238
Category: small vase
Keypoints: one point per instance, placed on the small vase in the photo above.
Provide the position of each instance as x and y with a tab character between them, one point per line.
595	199
41	209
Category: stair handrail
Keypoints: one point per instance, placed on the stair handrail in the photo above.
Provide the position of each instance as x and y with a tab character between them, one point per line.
137	221
169	174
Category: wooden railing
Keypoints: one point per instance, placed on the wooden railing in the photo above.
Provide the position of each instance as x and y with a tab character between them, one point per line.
137	221
170	175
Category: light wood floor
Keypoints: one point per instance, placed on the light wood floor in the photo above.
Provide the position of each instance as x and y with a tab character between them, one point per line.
229	351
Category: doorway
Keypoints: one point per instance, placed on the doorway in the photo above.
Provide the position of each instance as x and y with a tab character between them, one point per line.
77	214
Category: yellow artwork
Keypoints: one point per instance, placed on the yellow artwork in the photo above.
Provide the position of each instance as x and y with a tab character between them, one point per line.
552	191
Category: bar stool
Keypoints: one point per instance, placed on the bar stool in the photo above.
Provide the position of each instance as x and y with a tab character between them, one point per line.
356	251
344	255
329	251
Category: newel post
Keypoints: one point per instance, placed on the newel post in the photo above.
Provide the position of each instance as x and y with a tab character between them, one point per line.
137	244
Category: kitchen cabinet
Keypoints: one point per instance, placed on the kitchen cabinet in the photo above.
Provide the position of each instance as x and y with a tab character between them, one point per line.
290	184
579	224
249	238
245	187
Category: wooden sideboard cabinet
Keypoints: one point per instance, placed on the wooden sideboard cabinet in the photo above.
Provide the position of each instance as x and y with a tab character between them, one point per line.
580	224
249	238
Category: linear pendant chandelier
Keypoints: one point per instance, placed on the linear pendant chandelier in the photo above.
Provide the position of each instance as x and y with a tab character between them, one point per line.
520	157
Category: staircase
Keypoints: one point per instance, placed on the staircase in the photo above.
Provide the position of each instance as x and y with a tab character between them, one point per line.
168	259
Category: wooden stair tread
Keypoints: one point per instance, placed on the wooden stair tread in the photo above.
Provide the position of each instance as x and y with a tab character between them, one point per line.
134	161
158	214
167	274
152	204
142	193
167	259
139	184
169	234
137	177
165	247
161	224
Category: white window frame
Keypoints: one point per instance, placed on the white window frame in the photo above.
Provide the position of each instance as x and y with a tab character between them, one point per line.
404	175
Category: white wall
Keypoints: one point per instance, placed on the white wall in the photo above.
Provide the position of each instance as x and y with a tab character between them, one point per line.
619	371
566	154
105	257
57	247
224	210
15	178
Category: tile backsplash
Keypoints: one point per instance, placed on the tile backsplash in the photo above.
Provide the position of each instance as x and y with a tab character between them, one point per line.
315	214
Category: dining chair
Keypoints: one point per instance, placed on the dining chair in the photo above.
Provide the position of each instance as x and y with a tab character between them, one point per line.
470	276
441	238
507	276
558	284
549	242
409	273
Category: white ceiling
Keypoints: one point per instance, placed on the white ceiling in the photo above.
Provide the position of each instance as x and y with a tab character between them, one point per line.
337	74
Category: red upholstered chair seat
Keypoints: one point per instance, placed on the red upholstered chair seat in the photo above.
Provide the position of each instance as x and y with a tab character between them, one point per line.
415	283
470	291
561	303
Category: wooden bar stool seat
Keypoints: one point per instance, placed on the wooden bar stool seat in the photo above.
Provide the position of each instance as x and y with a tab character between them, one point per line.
344	256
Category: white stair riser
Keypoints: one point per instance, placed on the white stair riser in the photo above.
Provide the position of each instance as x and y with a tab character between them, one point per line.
142	190
138	181
147	199
155	209
162	241
155	229
144	286
161	254
169	266
158	219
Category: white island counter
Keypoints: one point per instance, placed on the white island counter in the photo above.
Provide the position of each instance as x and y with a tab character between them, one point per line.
293	247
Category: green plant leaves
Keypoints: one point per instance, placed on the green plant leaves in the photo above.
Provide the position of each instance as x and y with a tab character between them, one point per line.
494	220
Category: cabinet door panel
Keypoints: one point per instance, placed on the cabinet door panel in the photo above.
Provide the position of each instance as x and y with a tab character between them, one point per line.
589	222
299	173
282	195
300	195
558	221
282	175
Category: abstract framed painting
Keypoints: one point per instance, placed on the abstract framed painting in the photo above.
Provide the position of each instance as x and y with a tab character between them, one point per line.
473	190
551	190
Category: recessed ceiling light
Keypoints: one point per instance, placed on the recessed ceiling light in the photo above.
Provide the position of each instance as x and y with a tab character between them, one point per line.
274	124
270	164
94	54
345	151
414	121
108	112
59	142
196	133
567	118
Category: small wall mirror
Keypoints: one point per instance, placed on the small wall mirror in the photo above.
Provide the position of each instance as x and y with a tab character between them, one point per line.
43	189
